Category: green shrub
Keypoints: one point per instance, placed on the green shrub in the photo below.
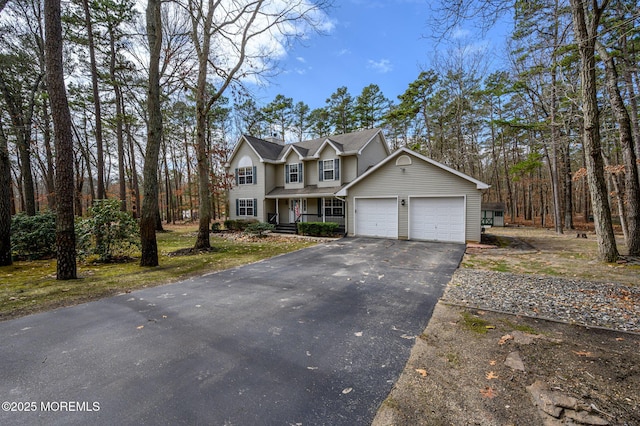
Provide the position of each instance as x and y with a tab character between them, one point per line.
33	237
215	227
318	229
259	228
237	225
108	232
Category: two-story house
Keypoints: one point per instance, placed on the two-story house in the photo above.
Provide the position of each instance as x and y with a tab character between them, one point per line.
287	183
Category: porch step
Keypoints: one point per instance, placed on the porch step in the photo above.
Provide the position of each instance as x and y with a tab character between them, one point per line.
286	228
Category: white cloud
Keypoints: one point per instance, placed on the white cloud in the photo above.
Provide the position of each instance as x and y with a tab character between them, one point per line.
460	33
301	60
343	52
382	66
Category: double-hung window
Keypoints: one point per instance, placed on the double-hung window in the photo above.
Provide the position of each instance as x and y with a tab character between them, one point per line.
246	207
327	170
245	175
333	207
293	173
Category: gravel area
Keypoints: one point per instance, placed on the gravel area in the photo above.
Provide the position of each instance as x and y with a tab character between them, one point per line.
610	305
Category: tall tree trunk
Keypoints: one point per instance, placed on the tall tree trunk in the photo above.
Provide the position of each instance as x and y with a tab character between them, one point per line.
568	187
631	184
63	136
96	102
50	172
21	121
585	34
202	156
154	139
135	187
555	136
5	202
189	189
79	184
117	91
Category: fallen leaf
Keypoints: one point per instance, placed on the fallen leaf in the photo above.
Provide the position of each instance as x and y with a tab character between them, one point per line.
346	390
422	372
505	338
164	316
490	327
488	392
582	353
358	334
493	362
491	375
619	339
140	327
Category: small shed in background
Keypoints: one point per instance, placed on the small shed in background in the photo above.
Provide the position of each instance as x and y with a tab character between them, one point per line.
492	214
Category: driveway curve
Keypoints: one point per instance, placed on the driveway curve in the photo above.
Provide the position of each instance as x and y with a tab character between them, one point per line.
317	336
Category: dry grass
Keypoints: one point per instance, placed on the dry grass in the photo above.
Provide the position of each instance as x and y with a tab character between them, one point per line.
547	253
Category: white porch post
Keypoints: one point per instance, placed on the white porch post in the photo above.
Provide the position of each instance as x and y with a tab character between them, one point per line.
277	214
324	219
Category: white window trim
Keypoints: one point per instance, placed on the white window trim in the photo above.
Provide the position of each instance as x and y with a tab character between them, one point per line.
326	169
243	174
296	173
248	204
333	203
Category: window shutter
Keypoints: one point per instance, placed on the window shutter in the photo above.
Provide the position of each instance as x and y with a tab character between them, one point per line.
236	176
237	207
286	173
336	169
255	175
319	207
320	171
300	173
255	207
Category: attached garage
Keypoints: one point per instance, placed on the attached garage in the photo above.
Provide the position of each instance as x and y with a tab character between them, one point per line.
376	217
410	196
437	219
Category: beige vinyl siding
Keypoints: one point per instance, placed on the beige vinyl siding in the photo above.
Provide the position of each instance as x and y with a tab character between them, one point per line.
311	172
349	168
252	191
420	179
271	177
372	154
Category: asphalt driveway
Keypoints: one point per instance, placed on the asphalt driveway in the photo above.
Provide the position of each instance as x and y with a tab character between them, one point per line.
317	336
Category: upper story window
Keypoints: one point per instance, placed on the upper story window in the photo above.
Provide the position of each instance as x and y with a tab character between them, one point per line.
329	170
246	172
293	173
245	175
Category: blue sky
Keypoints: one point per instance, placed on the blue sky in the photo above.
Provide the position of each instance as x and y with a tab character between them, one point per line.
381	42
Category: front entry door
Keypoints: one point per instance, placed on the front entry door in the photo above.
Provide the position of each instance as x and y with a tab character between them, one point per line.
294	210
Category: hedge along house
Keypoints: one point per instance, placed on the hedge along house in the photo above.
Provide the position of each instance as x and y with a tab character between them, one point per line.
409	196
288	183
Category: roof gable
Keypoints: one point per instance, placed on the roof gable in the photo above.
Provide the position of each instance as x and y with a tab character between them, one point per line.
265	150
404	150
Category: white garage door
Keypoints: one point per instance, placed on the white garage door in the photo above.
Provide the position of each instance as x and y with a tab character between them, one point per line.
437	219
376	217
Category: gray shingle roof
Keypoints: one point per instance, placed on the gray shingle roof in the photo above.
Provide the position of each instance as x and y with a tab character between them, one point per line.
267	150
349	142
